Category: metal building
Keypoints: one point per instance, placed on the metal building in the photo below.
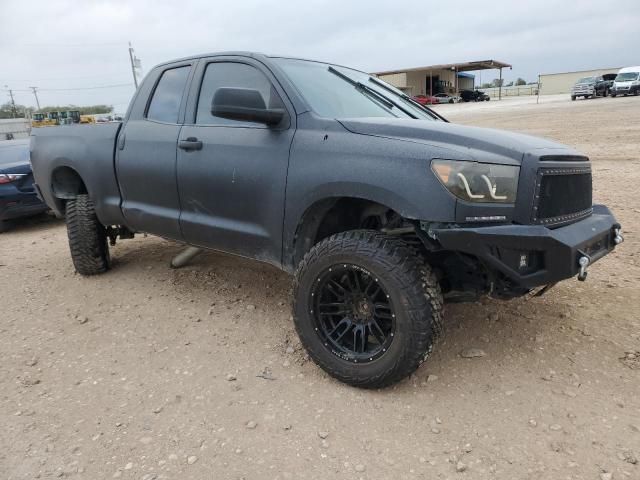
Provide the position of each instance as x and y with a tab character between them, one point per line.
551	83
448	78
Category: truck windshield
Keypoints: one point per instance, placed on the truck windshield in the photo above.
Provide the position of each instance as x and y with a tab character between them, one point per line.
587	80
627	77
339	92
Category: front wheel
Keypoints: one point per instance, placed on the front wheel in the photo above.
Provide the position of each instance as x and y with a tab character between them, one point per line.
366	307
573	97
87	237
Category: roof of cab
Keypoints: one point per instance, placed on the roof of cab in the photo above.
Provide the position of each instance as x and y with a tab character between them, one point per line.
242	53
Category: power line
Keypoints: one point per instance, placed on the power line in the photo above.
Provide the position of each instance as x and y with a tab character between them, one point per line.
115	85
65	45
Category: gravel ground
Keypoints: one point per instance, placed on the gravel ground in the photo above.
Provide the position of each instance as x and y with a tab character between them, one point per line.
150	373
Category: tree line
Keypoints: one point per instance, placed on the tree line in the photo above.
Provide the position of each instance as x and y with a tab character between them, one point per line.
499	82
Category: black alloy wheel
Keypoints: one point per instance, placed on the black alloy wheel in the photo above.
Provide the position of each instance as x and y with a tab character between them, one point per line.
353	313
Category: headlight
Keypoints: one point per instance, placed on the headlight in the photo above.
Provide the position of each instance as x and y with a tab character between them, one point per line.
478	182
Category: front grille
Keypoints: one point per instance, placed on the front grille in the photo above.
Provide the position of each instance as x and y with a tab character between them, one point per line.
562	195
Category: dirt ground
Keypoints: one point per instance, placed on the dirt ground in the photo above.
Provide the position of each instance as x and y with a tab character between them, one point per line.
150	373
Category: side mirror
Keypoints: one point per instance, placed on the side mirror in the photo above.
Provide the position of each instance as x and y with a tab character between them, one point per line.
244	104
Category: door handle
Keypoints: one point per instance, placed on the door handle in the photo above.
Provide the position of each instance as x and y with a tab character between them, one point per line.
190	143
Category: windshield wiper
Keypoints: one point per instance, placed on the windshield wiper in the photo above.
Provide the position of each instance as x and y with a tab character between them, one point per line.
368	90
406	97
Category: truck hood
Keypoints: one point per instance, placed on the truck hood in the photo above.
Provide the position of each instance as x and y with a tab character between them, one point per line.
472	143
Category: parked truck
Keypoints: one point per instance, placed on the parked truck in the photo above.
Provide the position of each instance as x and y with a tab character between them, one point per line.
592	87
380	208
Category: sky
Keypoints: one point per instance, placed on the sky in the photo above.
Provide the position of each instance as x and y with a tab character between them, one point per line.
66	48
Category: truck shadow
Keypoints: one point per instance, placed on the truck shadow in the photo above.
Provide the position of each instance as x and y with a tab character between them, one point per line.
506	332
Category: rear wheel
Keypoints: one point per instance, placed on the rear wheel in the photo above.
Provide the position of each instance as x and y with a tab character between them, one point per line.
87	237
366	308
5	225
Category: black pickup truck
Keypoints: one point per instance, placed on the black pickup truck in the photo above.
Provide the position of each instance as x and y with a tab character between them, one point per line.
379	207
593	87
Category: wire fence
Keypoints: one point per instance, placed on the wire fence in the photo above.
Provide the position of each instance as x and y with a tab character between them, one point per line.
514	91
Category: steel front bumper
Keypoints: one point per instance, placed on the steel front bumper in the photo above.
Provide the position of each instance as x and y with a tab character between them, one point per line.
533	255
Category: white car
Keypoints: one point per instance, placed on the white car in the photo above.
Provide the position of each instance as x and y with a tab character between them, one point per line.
445	98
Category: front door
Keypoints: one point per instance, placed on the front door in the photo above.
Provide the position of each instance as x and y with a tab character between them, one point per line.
146	159
232	184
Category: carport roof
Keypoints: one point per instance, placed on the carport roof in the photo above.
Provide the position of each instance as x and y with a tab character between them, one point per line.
460	67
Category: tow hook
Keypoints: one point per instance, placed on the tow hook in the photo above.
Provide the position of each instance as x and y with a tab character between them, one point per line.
618	239
584	262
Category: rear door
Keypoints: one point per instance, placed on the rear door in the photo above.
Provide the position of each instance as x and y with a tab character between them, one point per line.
232	189
146	153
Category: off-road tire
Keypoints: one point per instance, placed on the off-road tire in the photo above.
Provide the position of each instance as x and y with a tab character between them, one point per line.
411	285
5	226
87	237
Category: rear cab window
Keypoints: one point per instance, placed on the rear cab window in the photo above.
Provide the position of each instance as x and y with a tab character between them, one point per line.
167	96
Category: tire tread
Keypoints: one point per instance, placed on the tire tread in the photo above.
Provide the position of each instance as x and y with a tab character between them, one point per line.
87	242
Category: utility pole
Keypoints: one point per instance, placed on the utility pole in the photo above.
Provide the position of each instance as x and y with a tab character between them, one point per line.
133	60
35	93
14	111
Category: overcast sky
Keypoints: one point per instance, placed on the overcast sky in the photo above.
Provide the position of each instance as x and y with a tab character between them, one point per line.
68	44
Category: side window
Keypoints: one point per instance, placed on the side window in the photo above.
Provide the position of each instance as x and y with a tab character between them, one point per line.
233	75
165	103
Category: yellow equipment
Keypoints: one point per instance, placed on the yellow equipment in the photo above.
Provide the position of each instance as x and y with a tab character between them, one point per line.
51	119
37	120
48	119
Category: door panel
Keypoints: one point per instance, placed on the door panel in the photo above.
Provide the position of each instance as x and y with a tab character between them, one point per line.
232	186
146	154
232	190
147	174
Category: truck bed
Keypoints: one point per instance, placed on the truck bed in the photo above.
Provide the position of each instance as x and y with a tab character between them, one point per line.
87	149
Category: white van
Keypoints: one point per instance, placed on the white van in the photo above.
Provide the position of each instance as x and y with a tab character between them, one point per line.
627	82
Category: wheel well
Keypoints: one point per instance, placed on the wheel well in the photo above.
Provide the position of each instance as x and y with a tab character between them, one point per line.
335	215
67	183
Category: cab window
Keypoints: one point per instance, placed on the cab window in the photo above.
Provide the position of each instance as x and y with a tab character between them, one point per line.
233	75
165	103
